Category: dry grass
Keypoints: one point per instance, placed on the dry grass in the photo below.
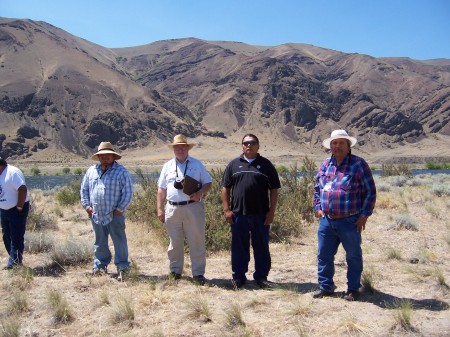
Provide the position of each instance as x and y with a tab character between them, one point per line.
147	303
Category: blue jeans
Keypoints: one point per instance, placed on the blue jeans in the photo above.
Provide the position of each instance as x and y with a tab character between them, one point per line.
102	254
13	228
244	228
331	233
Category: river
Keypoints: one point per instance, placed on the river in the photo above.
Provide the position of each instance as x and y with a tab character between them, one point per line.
50	182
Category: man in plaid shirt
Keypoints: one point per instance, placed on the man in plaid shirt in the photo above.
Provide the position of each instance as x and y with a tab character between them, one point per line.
344	197
106	192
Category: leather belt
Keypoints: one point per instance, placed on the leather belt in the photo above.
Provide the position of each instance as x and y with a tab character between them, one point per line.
339	216
180	203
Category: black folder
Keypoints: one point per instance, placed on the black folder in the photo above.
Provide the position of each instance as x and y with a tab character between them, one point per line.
191	185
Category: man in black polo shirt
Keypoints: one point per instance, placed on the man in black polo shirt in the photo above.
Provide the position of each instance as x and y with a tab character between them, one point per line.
251	182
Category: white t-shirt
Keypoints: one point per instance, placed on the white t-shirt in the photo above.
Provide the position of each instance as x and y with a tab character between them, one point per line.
173	167
10	181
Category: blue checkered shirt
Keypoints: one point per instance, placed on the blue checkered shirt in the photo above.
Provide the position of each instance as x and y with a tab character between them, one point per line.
106	192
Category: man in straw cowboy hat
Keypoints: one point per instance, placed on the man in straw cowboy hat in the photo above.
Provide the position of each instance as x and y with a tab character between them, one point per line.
183	214
106	192
344	197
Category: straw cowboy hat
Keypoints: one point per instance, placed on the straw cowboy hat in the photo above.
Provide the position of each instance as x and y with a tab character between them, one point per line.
105	148
180	140
336	134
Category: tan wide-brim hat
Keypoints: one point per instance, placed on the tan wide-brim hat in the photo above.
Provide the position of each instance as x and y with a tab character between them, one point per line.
336	134
180	140
105	148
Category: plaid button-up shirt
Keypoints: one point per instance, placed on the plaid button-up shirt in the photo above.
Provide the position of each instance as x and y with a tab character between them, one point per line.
345	189
106	192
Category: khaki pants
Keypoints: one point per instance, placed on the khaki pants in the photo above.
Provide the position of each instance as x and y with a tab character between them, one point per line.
187	221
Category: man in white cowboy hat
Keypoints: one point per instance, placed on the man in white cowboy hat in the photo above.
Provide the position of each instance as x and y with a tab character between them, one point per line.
106	192
183	214
344	197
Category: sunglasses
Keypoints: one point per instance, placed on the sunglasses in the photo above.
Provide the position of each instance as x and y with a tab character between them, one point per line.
251	143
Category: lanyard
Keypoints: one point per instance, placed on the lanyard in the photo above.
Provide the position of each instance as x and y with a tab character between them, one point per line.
176	168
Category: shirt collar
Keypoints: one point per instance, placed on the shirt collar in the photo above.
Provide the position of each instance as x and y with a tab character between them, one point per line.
242	158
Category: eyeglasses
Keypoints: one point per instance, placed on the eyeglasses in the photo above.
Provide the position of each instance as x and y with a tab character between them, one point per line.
252	143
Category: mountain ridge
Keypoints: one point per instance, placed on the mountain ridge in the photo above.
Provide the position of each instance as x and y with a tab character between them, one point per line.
63	94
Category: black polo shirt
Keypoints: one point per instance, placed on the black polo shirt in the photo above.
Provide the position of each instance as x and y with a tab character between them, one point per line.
250	184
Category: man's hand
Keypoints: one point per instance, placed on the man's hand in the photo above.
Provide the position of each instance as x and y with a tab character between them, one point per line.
269	218
89	211
229	216
161	215
361	223
196	196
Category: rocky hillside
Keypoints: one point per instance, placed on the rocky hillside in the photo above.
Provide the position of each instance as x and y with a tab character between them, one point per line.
59	92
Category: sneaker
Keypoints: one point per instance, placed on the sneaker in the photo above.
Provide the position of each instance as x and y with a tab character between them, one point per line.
264	284
199	279
351	295
237	284
323	293
99	271
174	276
122	274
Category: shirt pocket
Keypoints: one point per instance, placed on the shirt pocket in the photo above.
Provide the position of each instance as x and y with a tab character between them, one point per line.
346	182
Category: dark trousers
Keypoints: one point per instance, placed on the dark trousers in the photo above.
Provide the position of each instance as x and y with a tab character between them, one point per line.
13	229
244	229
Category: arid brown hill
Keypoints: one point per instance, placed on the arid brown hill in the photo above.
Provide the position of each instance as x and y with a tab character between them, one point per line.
64	93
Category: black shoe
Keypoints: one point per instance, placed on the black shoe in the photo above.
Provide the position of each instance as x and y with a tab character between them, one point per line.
12	266
174	276
199	279
323	293
237	284
264	284
351	295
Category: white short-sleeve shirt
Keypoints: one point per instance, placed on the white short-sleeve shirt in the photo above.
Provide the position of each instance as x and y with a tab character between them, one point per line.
173	168
10	181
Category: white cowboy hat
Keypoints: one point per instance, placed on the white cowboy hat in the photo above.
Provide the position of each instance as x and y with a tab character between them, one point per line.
104	148
336	134
180	140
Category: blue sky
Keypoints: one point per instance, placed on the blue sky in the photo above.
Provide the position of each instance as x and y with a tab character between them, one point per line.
419	29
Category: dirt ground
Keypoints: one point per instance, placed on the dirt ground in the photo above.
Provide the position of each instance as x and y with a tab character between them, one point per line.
162	307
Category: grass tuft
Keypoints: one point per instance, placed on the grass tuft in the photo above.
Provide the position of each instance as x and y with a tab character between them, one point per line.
18	303
440	277
38	219
71	253
23	277
403	314
301	309
123	311
368	280
198	308
404	221
62	312
11	328
38	242
394	254
233	316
